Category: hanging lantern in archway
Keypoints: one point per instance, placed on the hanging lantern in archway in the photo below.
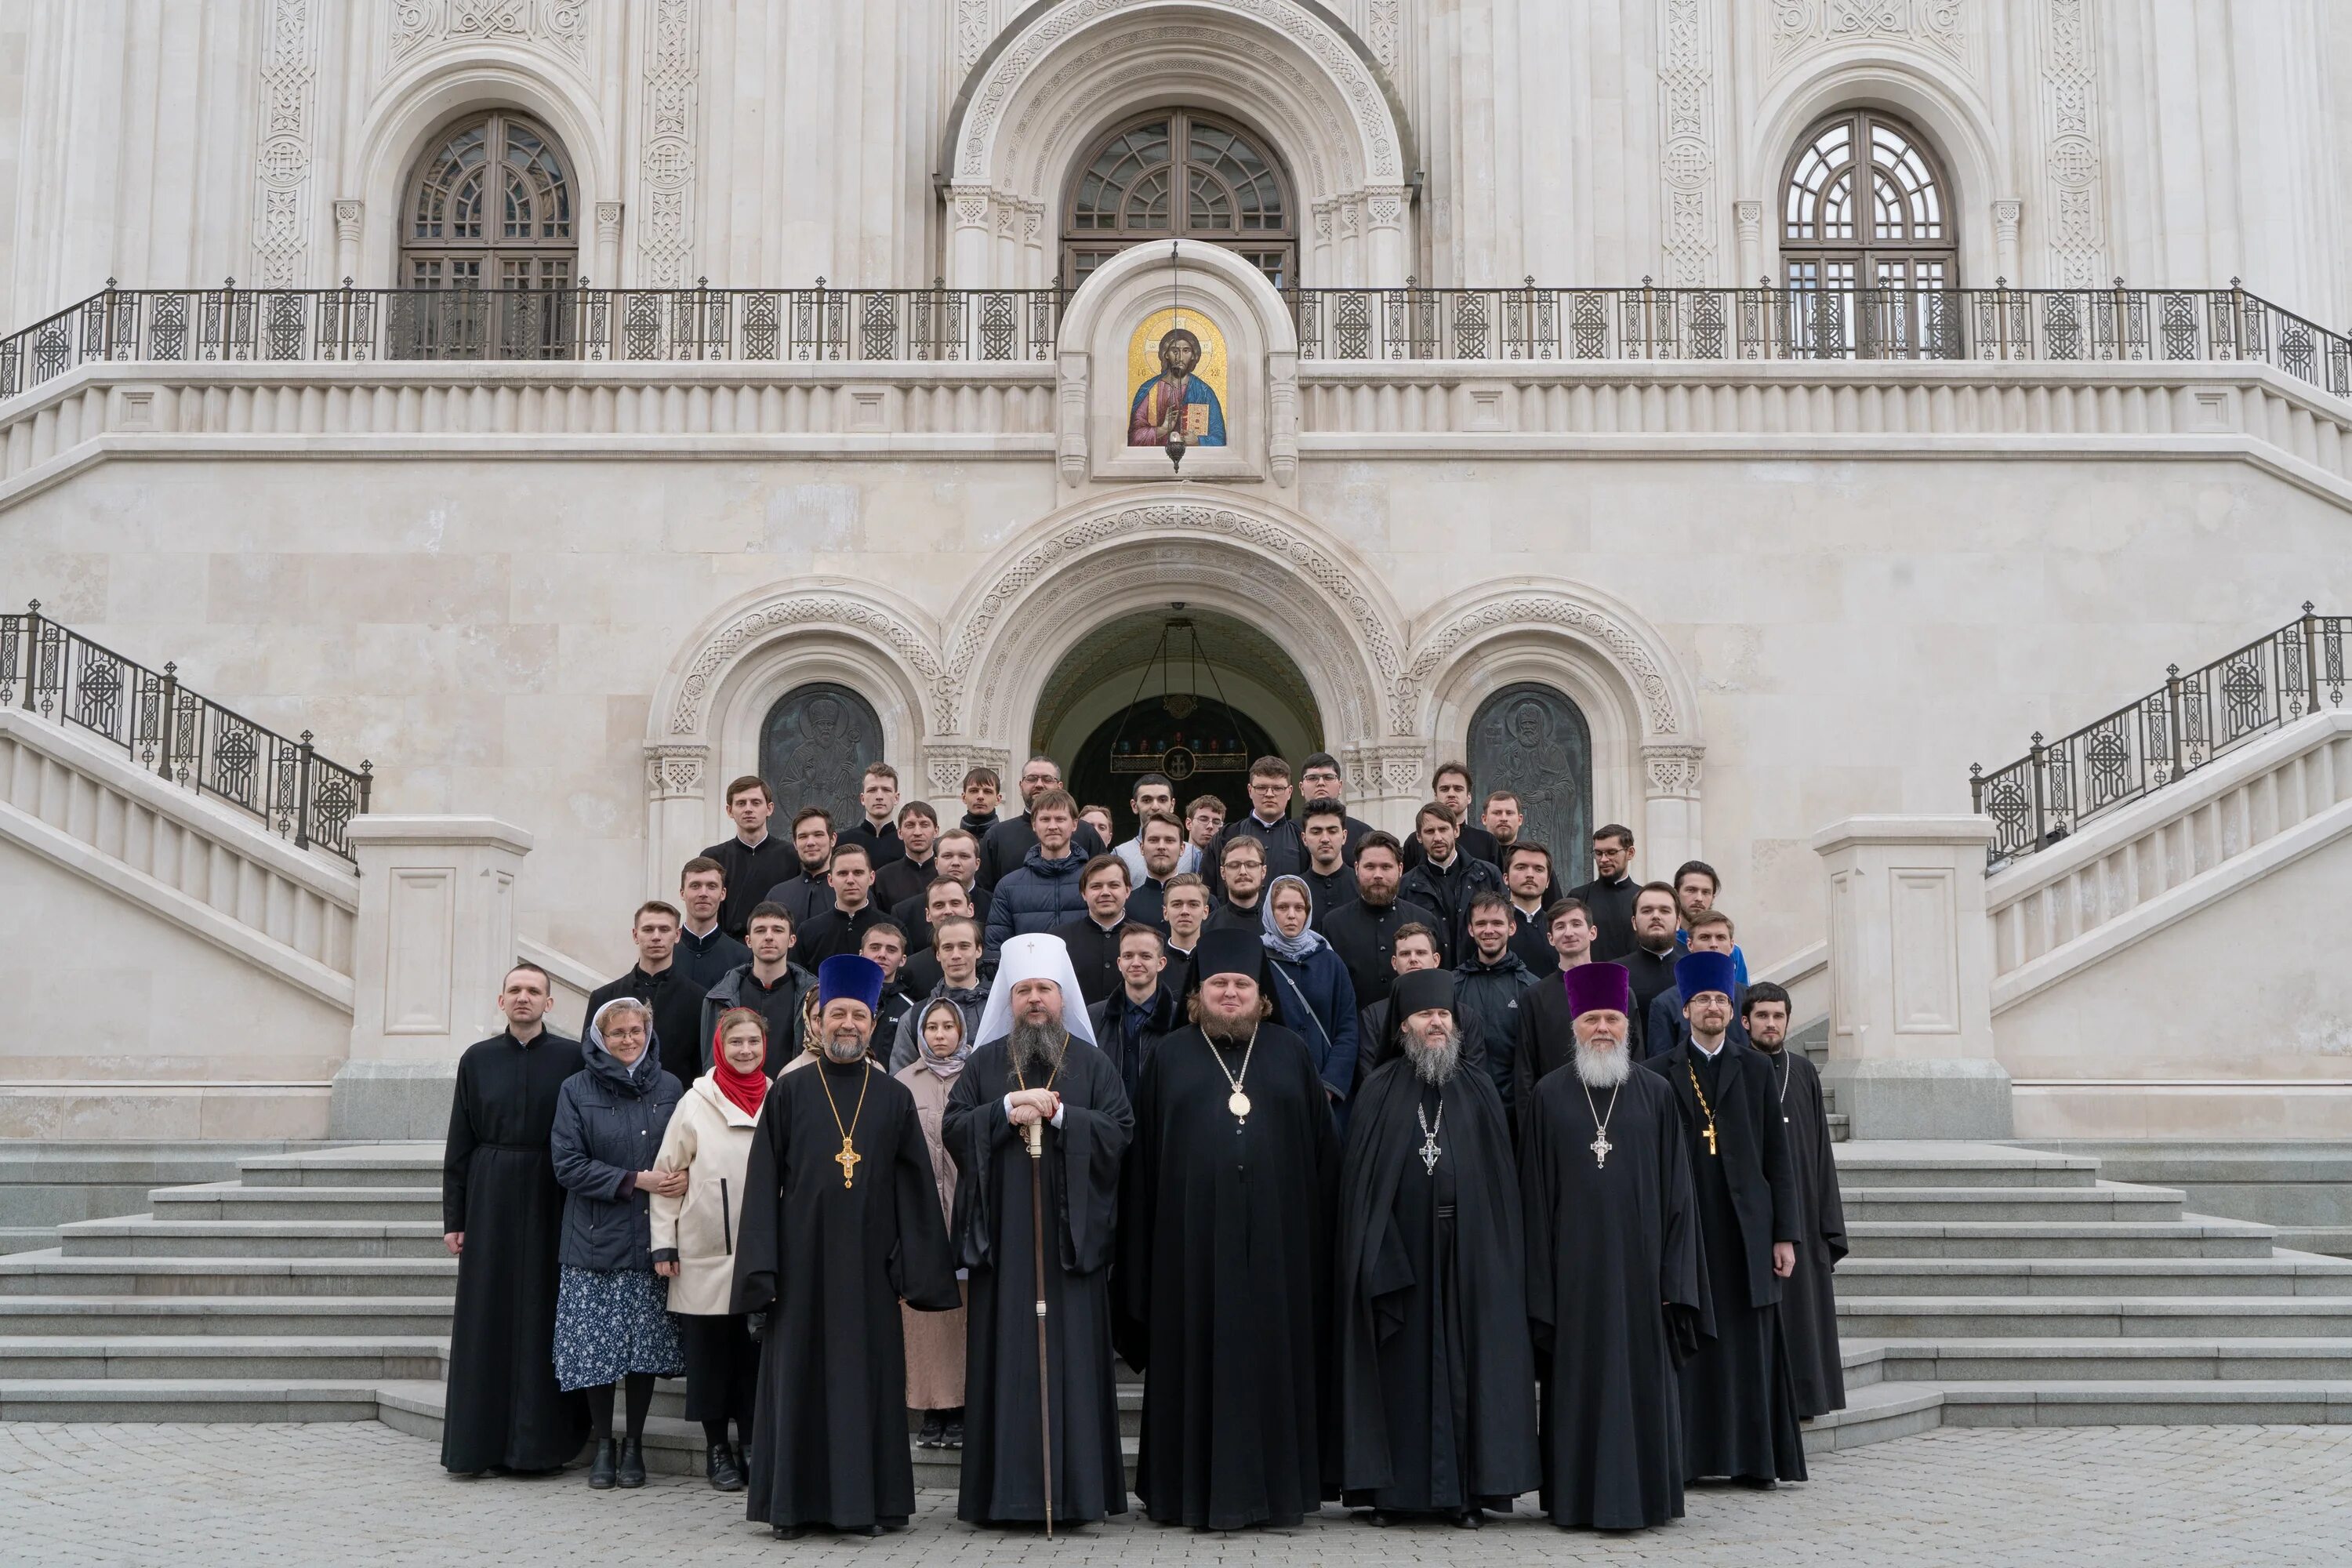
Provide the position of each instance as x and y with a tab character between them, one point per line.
1167	740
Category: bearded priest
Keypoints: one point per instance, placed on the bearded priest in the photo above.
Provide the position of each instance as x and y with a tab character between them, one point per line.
1225	1250
1437	1410
841	1222
1038	1075
1613	1286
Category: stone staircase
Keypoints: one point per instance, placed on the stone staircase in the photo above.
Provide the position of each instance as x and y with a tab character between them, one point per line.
2302	1185
1988	1286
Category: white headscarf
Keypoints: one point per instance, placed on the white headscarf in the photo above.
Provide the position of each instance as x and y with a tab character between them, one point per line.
1032	957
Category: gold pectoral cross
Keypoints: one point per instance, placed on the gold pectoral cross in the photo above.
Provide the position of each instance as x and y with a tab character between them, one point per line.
1710	1137
849	1157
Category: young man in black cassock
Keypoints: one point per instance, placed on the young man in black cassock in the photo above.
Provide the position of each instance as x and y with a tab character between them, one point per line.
1613	1288
1224	1264
1037	1066
502	1218
1436	1378
1740	1406
841	1222
1808	1300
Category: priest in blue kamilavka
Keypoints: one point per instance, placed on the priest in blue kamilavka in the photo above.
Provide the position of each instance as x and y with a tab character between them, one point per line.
841	1222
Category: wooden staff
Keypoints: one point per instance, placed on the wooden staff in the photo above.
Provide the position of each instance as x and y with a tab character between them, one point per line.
1035	1133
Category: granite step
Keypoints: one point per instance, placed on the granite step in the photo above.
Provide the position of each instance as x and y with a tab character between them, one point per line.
2328	1240
319	1318
218	1357
2106	1201
1941	1318
1943	1361
357	1166
141	1236
50	1273
234	1201
1874	1163
2286	1274
2190	1236
2218	1402
1876	1412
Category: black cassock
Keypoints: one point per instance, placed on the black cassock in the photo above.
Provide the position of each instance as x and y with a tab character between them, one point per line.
994	1239
1615	1296
1739	1405
1809	1296
499	1186
1224	1282
829	1265
1436	1377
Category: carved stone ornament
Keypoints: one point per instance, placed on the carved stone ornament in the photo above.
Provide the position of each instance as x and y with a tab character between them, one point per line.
1673	770
675	772
282	163
881	625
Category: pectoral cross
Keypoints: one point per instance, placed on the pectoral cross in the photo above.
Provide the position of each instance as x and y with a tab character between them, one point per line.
849	1157
1710	1137
1600	1147
1429	1153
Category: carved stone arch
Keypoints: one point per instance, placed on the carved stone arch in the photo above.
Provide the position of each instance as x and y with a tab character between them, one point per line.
1635	695
1066	70
705	723
437	89
1929	92
1086	567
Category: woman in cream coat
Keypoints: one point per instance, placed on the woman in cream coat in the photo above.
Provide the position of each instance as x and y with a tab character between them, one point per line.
709	1139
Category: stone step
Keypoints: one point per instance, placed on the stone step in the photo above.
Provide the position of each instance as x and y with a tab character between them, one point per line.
1863	1163
2286	1274
235	1201
322	1317
1874	1411
1944	1317
213	1357
2195	1236
2328	1240
2077	1205
1839	1131
1940	1362
50	1273
356	1165
141	1237
2218	1402
178	1400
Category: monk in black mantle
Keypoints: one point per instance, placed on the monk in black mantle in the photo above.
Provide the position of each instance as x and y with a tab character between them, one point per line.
1613	1286
1808	1300
1224	1264
1038	1068
1436	1377
502	1216
841	1221
1740	1405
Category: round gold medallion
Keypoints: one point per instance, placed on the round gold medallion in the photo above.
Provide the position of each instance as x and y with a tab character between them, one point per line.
1238	1104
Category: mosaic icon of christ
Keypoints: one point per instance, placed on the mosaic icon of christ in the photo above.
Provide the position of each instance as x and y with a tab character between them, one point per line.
1176	393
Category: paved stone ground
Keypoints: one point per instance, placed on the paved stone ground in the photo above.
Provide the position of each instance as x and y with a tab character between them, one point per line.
361	1493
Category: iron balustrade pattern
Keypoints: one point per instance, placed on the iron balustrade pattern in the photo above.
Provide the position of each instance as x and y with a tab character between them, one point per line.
2195	718
229	324
1411	324
189	740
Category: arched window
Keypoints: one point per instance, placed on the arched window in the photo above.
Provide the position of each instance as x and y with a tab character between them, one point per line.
490	207
1177	174
1865	207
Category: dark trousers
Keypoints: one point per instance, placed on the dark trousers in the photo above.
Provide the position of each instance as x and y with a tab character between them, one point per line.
722	1369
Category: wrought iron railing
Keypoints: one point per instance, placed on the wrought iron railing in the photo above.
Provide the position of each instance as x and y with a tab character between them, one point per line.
1768	322
2196	717
819	322
189	740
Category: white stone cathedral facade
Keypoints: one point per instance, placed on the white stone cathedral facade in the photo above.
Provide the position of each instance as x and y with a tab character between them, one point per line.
1724	417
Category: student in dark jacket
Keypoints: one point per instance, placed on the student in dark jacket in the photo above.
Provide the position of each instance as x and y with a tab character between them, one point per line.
1044	892
904	877
1093	939
1651	959
981	791
806	891
771	985
840	928
1447	879
1131	1022
877	829
1377	1043
1323	841
1362	932
656	981
1318	779
954	859
1006	848
705	951
1488	985
1269	821
611	1313
1241	868
1449	786
754	860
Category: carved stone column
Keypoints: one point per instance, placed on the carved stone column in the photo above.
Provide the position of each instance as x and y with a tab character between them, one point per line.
679	816
1070	415
1748	218
1384	215
1670	816
969	236
608	246
1282	418
1387	782
348	218
2005	216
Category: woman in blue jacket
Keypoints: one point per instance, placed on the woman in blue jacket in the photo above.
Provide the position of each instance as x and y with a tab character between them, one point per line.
611	1315
1312	991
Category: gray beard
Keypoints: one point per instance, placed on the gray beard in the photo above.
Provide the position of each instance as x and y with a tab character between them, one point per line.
1037	1049
844	1052
1600	1069
1227	1033
1435	1064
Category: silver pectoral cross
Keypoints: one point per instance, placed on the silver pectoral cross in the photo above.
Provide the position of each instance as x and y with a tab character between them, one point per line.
1429	1153
1600	1147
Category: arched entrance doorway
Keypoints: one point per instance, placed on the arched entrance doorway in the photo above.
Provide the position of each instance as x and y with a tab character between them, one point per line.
1195	694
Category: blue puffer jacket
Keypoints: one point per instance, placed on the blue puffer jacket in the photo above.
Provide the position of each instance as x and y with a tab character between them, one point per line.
1038	897
609	1121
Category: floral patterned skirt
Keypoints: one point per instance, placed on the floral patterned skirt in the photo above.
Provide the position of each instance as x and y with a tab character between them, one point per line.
608	1325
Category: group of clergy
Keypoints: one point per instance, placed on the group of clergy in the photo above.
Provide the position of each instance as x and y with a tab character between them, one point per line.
1445	1307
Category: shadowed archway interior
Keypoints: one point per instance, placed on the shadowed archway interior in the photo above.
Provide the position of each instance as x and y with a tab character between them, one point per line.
1182	691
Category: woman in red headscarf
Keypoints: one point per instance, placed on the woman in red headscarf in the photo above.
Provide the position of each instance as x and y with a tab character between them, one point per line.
709	1139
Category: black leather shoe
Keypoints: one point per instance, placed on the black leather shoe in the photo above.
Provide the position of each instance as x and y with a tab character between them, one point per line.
1469	1519
720	1466
600	1471
951	1435
788	1532
933	1432
633	1463
743	1462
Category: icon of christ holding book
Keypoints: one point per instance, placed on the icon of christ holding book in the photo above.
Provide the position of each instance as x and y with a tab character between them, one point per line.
1174	395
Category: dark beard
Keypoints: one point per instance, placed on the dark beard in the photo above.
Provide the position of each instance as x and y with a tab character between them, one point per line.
1036	1051
1228	1033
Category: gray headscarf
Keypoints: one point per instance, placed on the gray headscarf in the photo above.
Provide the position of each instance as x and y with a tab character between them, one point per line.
947	1067
1293	948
